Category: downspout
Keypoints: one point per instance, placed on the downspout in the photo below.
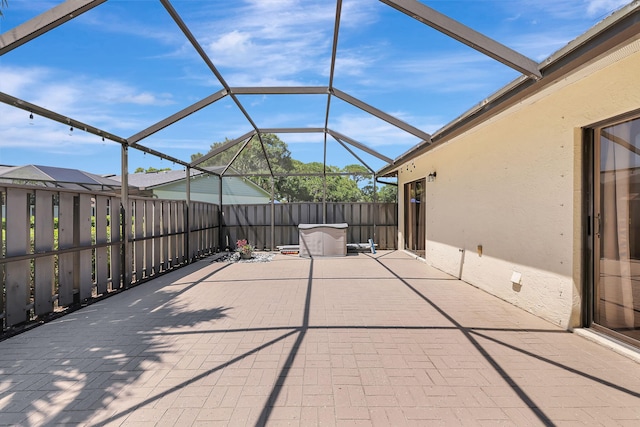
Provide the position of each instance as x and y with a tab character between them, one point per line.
375	206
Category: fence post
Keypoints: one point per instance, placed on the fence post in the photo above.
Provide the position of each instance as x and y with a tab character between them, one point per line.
44	284
17	281
324	197
114	250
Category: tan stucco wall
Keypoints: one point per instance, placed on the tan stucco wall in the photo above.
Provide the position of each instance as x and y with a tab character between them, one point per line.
513	185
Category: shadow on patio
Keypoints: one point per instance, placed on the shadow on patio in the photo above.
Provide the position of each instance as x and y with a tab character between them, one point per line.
368	339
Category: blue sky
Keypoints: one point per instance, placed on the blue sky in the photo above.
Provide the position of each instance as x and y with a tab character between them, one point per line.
125	65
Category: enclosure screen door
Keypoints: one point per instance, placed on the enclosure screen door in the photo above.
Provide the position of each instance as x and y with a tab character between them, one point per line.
415	216
617	232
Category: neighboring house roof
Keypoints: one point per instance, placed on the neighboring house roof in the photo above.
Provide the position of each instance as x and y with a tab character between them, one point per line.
148	180
51	176
153	179
239	188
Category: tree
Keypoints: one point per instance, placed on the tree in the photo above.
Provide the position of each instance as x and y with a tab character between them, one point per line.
362	176
388	194
295	188
303	182
3	4
150	169
360	173
252	159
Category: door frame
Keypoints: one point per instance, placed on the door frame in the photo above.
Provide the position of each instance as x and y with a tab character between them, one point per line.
410	221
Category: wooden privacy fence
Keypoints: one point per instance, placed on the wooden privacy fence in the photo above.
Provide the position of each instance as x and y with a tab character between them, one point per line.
267	226
62	247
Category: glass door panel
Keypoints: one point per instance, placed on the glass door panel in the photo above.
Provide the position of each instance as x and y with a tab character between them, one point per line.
415	217
617	278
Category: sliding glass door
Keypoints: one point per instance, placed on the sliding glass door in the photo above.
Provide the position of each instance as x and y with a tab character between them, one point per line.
415	216
616	293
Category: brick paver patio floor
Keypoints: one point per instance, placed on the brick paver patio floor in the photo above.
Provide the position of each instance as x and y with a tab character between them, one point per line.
363	340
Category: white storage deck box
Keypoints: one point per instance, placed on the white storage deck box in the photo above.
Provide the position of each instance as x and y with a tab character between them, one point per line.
323	239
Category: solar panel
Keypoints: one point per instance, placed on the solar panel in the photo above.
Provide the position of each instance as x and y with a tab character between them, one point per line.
67	175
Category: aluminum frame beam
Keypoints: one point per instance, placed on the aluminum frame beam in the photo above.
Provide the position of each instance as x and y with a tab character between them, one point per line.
80	126
334	51
223	147
280	90
334	48
621	142
70	9
381	115
233	159
284	175
292	130
466	35
338	137
170	158
56	117
346	147
359	145
177	116
203	55
45	22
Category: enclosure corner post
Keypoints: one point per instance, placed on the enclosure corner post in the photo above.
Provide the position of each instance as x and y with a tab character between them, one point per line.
324	198
187	217
125	218
220	216
273	211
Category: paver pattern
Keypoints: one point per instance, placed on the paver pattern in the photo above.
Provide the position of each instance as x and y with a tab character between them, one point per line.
368	339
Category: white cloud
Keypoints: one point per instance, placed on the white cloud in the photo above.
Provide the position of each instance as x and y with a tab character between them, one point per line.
539	46
107	20
114	92
448	73
604	7
555	9
18	80
284	42
569	10
97	102
55	90
349	63
230	46
258	101
551	24
371	131
19	131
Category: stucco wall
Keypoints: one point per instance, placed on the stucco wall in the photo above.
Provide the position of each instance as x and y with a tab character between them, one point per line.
512	185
